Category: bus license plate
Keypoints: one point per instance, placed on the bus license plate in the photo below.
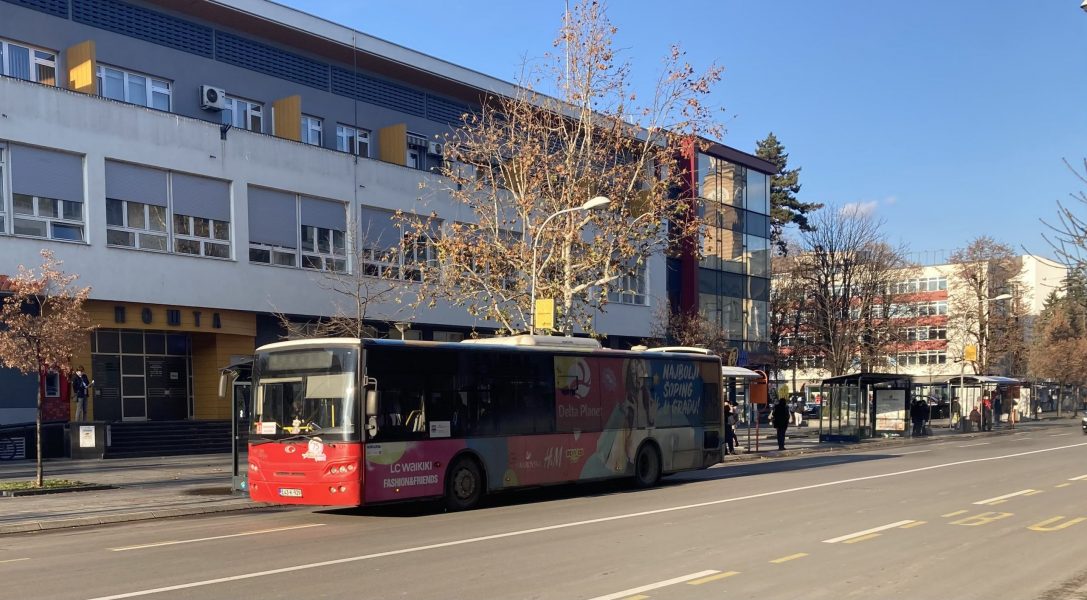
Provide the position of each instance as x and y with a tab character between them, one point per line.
290	492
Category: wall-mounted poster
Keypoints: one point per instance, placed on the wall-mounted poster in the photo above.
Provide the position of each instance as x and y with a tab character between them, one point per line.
891	411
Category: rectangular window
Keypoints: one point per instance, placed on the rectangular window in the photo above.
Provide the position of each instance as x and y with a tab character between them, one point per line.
353	140
47	193
136	199
394	250
324	235
244	114
630	288
201	216
417	146
311	130
273	227
26	62
3	195
52	384
134	88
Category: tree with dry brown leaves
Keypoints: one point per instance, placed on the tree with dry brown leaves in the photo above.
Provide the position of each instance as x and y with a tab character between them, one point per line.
989	309
520	161
1068	231
42	325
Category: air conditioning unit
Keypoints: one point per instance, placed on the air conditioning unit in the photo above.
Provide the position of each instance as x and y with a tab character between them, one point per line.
212	98
434	148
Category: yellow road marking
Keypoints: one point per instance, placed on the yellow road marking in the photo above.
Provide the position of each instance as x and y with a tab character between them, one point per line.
11	560
713	578
954	514
638	597
1033	493
1063	485
778	561
861	538
1045	525
982	519
914	524
1080	478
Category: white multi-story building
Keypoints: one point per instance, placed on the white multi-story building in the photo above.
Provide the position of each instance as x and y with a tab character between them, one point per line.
940	320
199	163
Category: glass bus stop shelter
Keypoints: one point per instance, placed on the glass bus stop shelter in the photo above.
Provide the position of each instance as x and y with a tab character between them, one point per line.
967	391
864	405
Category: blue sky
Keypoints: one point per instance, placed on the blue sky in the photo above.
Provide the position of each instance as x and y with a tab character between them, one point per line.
947	119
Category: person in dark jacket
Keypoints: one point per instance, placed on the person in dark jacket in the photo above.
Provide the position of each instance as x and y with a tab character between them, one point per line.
780	419
730	432
80	386
919	414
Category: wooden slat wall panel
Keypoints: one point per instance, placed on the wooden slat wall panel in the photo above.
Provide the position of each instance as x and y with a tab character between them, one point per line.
288	117
211	353
233	322
393	144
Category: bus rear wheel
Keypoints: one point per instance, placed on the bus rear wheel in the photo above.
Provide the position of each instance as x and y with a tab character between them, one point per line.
647	466
463	485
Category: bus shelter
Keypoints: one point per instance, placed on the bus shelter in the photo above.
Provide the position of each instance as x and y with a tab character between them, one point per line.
864	405
968	391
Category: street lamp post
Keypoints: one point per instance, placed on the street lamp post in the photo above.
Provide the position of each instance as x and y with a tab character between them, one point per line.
591	204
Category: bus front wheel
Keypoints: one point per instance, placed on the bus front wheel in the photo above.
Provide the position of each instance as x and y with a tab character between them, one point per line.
647	466
464	485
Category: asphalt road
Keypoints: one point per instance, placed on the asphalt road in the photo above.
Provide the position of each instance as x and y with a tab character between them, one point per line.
998	517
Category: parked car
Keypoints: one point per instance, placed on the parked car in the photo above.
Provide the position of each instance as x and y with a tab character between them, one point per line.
812	410
938	408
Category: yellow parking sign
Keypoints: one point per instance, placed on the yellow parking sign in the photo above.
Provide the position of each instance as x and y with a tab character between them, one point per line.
544	317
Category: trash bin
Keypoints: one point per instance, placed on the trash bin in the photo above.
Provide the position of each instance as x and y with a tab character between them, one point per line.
88	439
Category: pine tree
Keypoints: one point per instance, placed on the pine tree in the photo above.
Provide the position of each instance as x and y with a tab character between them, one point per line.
785	209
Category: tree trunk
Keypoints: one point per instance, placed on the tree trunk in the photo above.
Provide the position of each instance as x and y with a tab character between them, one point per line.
38	437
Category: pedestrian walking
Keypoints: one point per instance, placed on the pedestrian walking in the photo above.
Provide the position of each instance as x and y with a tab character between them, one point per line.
798	411
919	414
780	418
80	385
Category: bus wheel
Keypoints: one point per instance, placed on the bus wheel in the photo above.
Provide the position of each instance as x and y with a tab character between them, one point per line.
647	466
463	485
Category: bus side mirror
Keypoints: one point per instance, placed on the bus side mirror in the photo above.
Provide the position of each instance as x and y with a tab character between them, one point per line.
222	383
371	412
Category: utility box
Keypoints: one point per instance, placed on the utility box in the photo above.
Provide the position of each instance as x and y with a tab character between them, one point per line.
88	439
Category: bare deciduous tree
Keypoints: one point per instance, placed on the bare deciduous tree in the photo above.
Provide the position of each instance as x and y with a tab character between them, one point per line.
352	291
43	326
522	165
1068	232
847	271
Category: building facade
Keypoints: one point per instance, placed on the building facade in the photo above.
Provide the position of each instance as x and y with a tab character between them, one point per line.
936	323
201	164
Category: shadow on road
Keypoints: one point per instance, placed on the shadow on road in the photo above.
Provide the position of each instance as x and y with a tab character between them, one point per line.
608	488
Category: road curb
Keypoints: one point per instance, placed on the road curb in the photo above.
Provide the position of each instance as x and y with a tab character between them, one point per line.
112	518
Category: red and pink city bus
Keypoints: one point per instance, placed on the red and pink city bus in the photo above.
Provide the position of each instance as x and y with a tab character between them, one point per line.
349	422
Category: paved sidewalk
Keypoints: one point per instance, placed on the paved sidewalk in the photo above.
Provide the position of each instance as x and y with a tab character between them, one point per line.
152	488
145	488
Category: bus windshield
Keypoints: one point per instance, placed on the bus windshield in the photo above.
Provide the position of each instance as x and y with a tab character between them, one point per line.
305	393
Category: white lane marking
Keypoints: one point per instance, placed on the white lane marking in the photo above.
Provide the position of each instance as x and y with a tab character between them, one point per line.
509	534
915	452
217	537
1059	434
11	560
1022	439
1080	478
849	536
972	445
1005	496
655	586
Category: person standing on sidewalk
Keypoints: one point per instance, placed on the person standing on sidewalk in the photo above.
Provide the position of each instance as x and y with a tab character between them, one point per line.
919	414
730	431
780	418
986	414
80	386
